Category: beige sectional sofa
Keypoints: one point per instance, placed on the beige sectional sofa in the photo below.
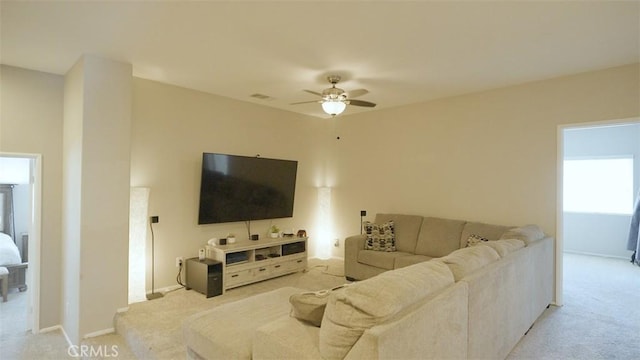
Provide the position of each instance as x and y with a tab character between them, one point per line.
435	302
418	239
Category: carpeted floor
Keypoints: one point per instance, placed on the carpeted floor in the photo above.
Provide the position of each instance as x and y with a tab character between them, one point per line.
600	318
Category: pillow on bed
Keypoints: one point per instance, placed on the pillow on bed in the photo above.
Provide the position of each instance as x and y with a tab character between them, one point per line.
9	253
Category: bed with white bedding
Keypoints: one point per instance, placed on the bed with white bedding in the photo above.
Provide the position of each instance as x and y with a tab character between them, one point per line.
10	258
10	255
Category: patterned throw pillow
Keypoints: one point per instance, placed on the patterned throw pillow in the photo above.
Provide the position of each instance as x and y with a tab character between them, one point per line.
380	237
474	239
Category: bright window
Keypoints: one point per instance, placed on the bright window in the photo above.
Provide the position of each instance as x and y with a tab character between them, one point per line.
602	185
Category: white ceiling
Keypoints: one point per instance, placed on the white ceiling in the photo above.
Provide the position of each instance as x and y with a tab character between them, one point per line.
402	52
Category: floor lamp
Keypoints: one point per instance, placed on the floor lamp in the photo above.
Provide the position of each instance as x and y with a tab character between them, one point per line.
154	295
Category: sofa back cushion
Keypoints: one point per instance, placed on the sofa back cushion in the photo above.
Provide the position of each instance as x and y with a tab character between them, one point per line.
367	303
504	247
487	231
439	237
466	261
406	229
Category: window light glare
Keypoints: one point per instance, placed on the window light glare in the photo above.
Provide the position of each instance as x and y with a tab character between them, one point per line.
598	186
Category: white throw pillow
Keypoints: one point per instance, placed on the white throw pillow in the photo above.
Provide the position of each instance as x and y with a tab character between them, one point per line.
527	233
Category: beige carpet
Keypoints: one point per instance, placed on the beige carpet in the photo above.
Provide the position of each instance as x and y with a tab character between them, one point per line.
153	329
600	319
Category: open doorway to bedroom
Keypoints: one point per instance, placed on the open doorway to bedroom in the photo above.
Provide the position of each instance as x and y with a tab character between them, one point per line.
598	181
20	196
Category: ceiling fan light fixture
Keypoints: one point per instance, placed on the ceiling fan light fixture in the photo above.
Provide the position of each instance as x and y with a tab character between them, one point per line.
333	107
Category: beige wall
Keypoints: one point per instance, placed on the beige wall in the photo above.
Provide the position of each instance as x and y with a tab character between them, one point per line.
31	122
173	126
487	157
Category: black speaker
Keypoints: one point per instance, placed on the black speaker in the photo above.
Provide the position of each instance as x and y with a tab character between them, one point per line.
223	241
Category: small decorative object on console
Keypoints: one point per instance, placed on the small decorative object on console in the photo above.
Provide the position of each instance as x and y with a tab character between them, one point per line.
231	238
301	233
274	232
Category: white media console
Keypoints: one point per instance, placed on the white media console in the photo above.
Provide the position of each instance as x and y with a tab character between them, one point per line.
250	261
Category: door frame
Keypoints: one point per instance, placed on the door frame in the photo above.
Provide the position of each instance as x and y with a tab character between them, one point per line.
559	250
35	230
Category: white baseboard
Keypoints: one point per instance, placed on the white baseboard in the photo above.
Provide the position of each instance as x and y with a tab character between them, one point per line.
598	255
99	333
166	289
122	310
51	328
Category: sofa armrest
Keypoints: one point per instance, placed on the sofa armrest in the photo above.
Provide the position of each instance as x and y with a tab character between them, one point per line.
352	246
286	338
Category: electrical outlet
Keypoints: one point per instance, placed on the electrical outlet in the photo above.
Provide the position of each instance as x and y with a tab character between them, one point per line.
179	261
337	243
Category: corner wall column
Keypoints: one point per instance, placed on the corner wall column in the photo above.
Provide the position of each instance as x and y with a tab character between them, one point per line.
95	211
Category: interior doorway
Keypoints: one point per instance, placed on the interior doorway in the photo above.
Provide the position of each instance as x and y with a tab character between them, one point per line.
598	179
20	176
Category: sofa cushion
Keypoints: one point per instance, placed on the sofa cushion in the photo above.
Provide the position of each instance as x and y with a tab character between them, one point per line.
488	231
527	233
379	237
439	237
373	301
465	261
309	306
403	261
406	229
380	259
504	247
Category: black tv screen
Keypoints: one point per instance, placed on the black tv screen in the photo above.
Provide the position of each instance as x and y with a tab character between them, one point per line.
241	188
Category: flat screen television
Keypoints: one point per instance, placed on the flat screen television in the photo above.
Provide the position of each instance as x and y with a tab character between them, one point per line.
242	188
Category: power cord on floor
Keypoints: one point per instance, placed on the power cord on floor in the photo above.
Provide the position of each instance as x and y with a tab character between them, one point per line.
325	271
179	276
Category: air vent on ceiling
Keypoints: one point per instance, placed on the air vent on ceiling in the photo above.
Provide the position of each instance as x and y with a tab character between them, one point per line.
262	97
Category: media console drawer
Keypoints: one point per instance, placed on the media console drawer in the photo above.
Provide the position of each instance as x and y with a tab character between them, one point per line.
238	277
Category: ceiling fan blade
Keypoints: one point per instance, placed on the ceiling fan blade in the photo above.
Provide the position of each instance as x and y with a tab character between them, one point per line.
306	102
313	92
361	103
357	92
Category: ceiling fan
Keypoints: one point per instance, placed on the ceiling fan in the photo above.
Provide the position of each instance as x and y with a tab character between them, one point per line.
335	100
